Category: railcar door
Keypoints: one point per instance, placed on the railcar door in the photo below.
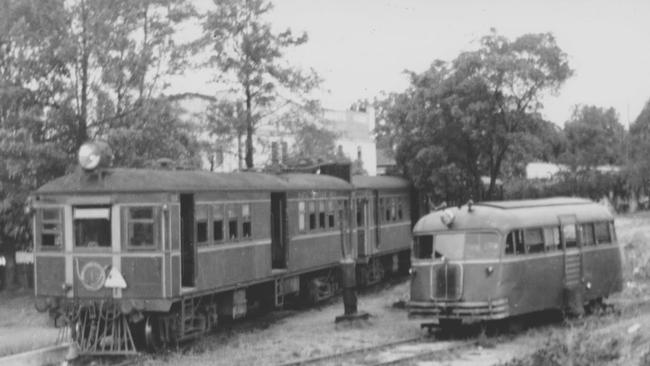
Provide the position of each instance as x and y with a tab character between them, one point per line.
572	251
279	230
188	247
376	216
362	226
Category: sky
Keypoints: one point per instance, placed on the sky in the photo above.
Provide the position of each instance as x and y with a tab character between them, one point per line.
361	47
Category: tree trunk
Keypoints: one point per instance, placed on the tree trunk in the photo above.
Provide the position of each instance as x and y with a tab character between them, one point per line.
10	267
249	129
82	134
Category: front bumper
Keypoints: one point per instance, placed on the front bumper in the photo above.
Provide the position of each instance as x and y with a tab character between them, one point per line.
469	311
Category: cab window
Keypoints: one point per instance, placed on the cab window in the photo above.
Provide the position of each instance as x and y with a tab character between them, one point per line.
140	226
92	227
423	246
481	245
51	227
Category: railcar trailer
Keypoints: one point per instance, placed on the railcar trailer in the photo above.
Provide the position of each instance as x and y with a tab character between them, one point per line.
131	257
494	260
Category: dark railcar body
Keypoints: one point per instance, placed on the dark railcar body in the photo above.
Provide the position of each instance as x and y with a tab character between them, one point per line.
195	245
498	259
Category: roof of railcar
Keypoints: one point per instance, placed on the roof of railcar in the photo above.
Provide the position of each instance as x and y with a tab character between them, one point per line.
509	215
379	182
151	180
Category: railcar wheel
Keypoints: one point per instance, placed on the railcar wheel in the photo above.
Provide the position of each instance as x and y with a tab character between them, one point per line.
155	336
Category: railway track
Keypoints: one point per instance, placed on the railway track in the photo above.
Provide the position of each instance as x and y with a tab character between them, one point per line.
393	353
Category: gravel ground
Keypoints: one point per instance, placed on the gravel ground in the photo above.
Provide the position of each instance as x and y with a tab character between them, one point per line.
276	339
22	328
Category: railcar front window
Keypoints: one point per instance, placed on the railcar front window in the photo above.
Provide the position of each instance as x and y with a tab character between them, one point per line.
449	246
423	246
92	227
141	226
481	245
51	227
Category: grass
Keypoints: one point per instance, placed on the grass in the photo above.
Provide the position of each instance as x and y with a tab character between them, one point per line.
620	338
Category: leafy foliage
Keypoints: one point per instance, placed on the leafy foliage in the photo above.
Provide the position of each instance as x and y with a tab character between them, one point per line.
594	137
249	54
463	120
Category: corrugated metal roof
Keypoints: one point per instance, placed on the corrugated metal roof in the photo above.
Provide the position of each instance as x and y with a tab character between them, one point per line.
149	180
380	182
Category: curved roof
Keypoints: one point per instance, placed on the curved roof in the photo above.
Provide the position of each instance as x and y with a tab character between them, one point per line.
151	180
508	215
380	182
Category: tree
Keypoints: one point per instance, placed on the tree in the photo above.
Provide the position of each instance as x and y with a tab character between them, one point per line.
249	56
637	150
31	73
464	118
594	137
70	71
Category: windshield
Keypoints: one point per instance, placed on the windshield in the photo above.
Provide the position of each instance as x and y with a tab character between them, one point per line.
457	246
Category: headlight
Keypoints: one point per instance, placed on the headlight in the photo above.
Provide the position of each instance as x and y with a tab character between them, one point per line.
93	154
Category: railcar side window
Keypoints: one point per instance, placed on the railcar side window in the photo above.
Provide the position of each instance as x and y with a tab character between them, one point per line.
201	219
601	230
232	224
217	223
515	242
393	209
588	235
312	215
481	245
423	246
387	208
400	211
360	213
330	214
321	215
92	227
247	227
569	233
534	240
380	209
552	238
51	227
140	226
301	216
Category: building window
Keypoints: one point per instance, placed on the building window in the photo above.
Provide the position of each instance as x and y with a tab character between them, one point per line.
140	226
301	216
51	227
217	223
201	220
247	227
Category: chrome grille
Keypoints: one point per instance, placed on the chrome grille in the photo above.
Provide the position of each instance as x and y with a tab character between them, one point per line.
447	281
